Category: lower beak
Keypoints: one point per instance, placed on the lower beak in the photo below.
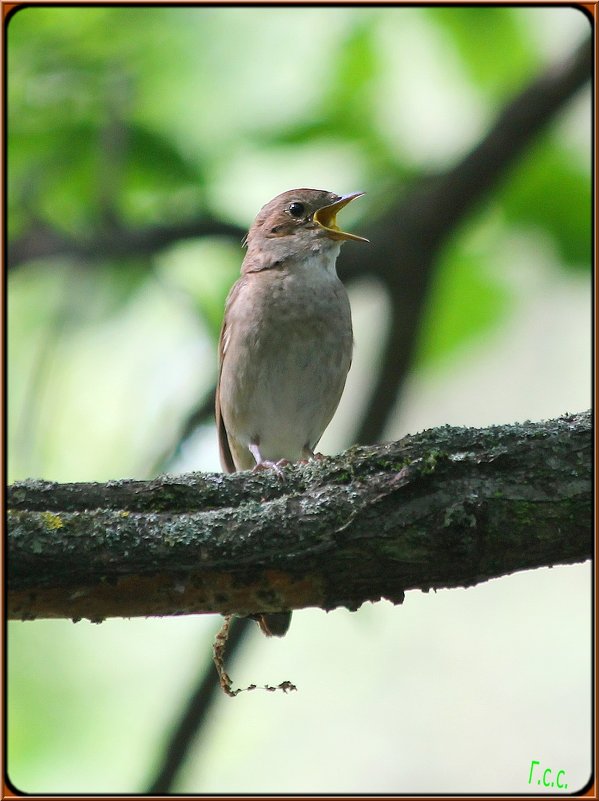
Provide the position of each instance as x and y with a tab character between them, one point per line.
326	217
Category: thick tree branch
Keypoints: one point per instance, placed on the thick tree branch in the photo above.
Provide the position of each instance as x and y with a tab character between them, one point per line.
448	507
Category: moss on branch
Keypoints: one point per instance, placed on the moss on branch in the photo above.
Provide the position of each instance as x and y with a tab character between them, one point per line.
448	507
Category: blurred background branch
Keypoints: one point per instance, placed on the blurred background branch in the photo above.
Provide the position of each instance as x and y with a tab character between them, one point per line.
427	215
195	708
114	242
408	237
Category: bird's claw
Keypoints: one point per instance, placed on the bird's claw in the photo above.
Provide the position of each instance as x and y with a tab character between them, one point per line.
313	457
277	467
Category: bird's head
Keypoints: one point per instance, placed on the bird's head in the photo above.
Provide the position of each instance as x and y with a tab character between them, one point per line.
300	218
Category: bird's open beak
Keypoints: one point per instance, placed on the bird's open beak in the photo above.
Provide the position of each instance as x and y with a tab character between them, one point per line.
327	218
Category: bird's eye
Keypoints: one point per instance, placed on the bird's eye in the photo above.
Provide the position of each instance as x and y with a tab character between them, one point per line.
296	209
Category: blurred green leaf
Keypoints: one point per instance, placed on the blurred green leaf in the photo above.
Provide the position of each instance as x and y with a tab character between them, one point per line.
158	183
345	112
154	158
465	300
491	43
549	190
354	71
77	150
205	269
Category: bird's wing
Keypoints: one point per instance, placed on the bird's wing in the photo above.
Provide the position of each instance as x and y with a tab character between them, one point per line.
226	457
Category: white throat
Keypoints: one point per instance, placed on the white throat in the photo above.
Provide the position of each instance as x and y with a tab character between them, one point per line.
319	257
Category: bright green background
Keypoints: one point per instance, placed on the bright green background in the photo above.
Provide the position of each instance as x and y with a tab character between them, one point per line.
156	115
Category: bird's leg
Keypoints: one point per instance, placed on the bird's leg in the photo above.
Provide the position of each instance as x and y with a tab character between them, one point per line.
254	449
266	464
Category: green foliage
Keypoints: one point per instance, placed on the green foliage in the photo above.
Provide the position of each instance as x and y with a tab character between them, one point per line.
551	192
467	300
79	148
129	117
493	44
204	270
351	83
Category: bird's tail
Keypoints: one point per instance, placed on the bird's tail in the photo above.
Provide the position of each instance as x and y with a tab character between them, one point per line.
274	624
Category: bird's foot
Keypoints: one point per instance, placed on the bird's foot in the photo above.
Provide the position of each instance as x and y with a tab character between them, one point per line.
312	457
277	467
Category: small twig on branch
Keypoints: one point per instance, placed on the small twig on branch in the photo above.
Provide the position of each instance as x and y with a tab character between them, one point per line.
218	652
445	508
218	649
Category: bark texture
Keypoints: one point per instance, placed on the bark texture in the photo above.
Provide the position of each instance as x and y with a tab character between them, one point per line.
445	508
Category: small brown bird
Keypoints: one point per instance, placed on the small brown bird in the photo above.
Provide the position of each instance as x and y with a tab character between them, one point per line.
286	341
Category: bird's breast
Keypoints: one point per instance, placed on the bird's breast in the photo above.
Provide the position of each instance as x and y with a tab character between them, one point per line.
289	351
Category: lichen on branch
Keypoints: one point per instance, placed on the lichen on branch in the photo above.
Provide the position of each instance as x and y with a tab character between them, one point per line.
445	508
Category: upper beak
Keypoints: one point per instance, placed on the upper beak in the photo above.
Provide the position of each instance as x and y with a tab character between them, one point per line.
327	218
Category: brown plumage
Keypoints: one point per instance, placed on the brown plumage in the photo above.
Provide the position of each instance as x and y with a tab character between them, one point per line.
286	341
